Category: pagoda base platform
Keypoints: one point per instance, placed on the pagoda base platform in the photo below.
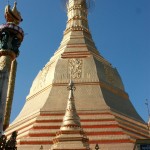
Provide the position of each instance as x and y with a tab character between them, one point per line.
106	128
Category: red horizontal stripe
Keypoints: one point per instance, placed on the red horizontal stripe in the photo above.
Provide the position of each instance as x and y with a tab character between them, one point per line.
35	142
87	133
42	135
90	142
110	141
104	133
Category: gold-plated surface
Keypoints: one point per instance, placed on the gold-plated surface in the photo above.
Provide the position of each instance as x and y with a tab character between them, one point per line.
104	107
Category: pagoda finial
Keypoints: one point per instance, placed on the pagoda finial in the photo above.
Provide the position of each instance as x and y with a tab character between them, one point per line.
71	88
70	136
13	15
71	117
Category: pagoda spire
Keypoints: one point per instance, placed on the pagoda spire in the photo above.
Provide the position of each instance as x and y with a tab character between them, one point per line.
77	16
71	136
77	31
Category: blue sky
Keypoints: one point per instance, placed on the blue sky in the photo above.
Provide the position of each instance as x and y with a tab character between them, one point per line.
120	29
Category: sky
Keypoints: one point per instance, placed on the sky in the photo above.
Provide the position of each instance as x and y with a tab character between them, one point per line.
120	29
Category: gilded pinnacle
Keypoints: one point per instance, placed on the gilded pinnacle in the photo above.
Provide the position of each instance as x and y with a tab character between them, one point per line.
71	117
71	136
12	16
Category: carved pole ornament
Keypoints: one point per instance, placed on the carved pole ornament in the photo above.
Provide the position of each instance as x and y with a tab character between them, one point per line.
13	15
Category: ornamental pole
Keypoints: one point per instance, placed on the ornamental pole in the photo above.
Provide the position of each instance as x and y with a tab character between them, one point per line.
11	36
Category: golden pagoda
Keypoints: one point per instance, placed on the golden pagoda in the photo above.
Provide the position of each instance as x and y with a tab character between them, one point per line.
106	112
